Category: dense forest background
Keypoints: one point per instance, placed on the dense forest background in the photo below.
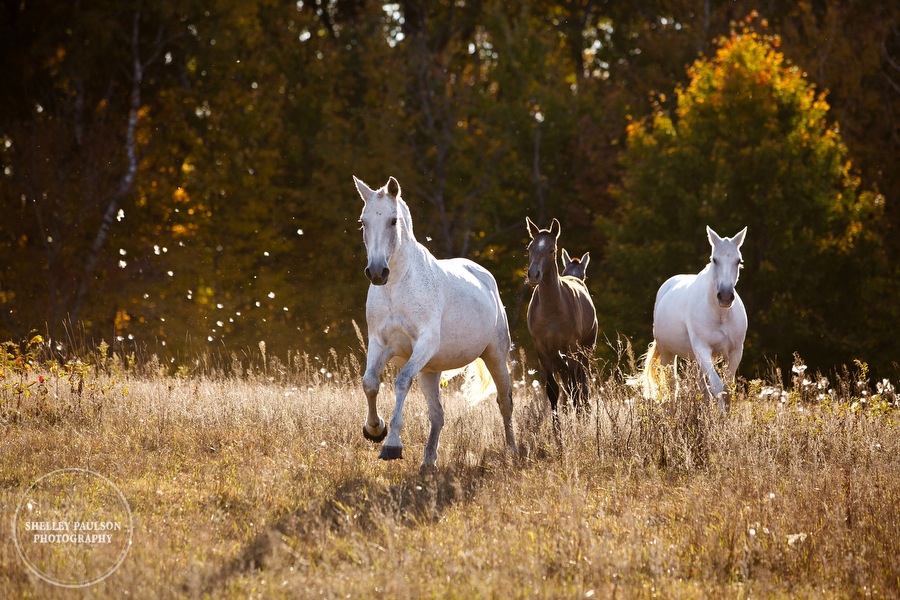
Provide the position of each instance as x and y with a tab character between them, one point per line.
176	176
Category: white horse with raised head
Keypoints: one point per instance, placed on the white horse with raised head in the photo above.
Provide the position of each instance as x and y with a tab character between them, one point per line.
701	317
434	315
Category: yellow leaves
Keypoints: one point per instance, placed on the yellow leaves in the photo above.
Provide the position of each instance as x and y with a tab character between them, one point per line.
205	294
180	196
121	321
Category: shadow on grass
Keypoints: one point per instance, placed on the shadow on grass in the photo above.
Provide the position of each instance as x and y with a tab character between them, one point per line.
362	509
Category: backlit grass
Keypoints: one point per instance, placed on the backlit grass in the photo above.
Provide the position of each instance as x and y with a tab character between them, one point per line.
260	484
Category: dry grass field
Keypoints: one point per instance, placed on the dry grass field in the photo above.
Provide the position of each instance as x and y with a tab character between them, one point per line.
258	483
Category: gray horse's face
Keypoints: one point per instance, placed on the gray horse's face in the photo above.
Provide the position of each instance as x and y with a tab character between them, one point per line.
726	264
574	266
541	250
380	227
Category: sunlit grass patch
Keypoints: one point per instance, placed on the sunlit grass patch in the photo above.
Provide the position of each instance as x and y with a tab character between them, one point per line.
257	481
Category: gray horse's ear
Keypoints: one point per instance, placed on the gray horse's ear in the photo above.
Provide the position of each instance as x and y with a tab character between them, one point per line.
365	191
555	228
565	258
585	259
714	238
533	229
739	238
393	187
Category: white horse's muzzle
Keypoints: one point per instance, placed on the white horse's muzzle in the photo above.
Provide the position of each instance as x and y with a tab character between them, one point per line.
378	276
725	298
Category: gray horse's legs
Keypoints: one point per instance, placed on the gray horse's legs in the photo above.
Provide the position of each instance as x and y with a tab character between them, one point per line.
431	388
551	387
714	388
731	367
377	356
578	368
423	350
495	360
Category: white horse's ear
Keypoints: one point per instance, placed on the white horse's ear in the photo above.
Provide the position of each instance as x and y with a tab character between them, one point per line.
533	229
714	238
739	238
365	191
565	258
555	228
585	259
393	187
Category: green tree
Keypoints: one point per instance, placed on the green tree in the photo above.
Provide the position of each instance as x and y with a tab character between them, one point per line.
750	144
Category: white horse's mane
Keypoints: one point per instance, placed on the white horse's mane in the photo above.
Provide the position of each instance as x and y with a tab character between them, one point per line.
405	216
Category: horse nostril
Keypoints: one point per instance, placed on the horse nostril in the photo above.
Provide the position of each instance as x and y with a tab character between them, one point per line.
378	277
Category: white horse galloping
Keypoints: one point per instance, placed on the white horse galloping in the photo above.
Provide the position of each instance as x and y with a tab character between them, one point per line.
701	317
434	315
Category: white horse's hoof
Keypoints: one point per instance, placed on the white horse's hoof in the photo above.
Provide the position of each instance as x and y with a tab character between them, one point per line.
376	437
391	452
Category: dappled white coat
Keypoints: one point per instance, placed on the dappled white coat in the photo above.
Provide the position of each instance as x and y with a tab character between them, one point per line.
701	317
434	315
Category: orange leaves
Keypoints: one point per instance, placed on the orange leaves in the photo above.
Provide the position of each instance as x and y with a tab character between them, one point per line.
180	195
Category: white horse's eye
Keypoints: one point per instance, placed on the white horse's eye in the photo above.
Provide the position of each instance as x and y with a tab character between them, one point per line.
715	261
393	222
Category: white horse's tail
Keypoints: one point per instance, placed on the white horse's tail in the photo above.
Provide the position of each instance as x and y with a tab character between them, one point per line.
478	383
648	378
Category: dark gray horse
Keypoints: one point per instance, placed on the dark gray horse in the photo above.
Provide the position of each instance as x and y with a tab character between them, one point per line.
562	321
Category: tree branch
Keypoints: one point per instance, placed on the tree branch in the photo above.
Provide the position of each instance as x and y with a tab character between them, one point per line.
126	184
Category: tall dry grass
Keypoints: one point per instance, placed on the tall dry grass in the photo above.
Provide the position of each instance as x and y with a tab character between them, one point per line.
255	481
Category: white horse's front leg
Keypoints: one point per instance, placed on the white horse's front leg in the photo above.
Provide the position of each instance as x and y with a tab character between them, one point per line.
431	387
715	387
376	357
734	359
424	348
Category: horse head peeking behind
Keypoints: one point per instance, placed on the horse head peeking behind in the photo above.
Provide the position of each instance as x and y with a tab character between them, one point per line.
386	225
574	266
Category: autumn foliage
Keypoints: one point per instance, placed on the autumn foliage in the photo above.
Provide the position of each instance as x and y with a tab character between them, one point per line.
175	177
